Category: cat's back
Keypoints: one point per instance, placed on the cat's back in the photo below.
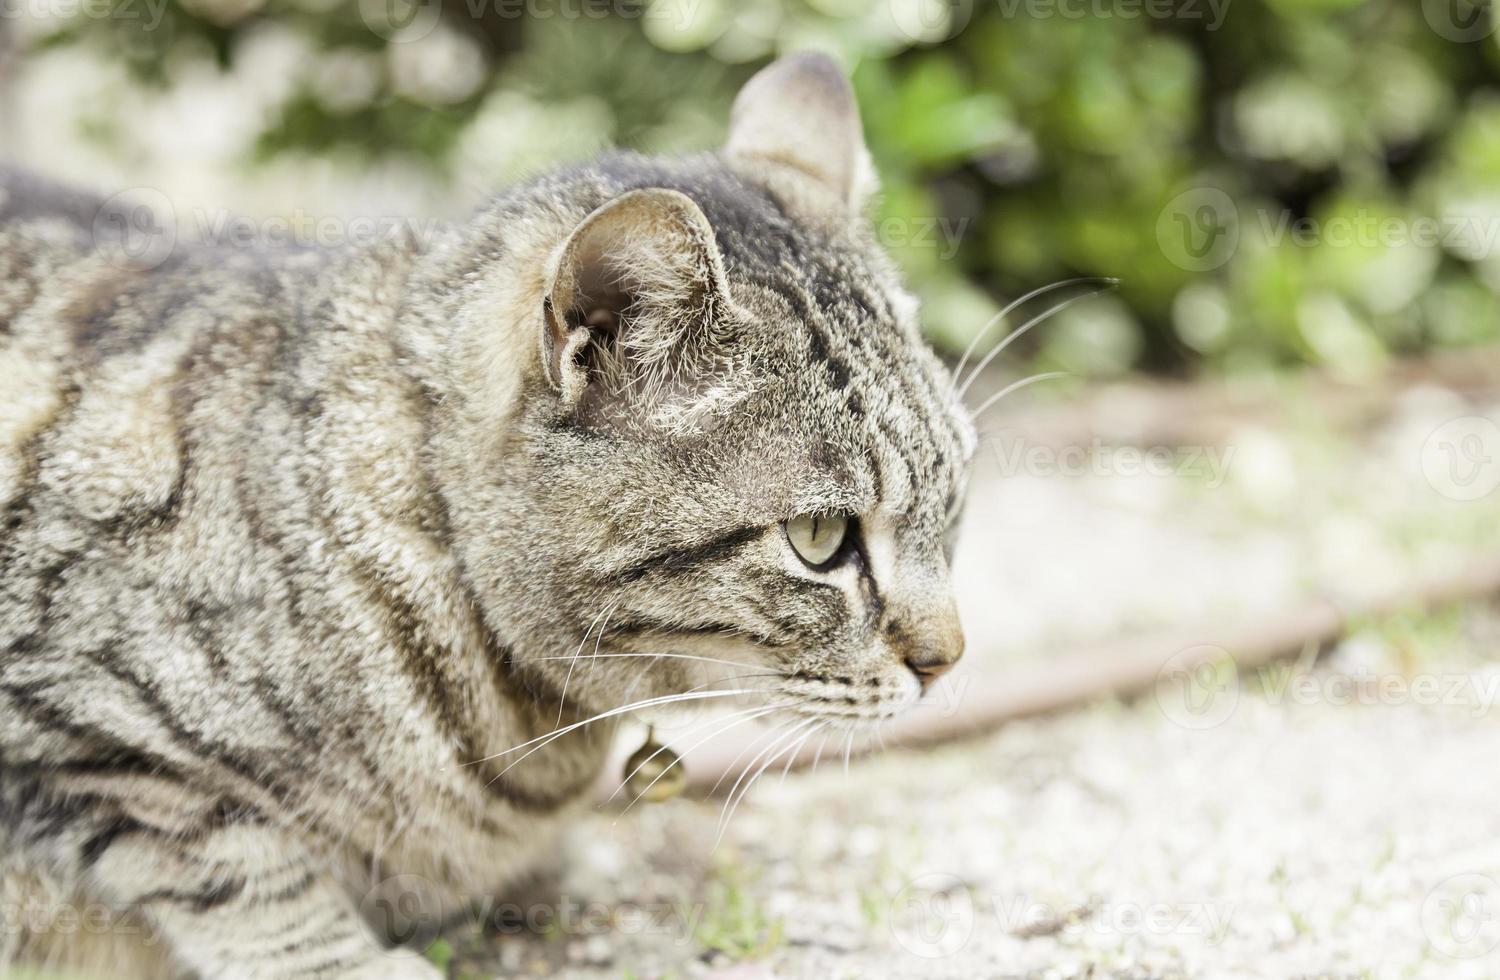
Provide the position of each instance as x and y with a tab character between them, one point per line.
107	356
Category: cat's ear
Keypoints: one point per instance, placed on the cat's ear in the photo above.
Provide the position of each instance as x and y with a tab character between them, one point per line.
799	112
631	292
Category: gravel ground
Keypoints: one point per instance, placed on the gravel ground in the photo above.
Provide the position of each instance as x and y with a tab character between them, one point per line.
1317	821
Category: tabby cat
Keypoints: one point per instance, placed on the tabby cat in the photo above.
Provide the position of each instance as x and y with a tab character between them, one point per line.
298	542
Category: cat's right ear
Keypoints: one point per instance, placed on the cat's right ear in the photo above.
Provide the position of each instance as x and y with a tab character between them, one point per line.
799	113
629	294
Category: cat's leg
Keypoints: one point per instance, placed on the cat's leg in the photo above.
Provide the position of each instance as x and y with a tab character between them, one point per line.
247	902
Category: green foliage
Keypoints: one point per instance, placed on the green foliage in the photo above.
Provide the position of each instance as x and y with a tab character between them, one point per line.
733	921
440	953
1352	145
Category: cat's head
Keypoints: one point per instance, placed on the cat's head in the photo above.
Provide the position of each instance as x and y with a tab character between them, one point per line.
728	440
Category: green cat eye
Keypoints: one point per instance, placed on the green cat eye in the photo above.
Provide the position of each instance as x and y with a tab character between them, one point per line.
816	537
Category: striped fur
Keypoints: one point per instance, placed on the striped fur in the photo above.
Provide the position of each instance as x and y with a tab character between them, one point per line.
294	543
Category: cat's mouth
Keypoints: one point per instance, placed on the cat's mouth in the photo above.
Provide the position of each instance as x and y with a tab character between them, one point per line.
850	700
707	670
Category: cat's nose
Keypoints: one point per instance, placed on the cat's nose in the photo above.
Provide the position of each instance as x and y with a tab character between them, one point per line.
929	668
934	644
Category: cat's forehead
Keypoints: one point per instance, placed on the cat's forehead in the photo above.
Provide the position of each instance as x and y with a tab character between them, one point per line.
854	405
853	412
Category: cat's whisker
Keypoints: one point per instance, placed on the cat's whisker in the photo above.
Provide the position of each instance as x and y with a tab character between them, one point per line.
613	712
1016	386
606	612
649	656
792	757
1022	330
689	696
773	732
757	767
818	757
1010	308
739	719
788	747
737	677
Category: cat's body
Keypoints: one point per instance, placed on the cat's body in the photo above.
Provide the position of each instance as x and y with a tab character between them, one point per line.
293	541
216	470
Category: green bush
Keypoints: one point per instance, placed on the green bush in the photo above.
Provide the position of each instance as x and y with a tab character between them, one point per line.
1274	182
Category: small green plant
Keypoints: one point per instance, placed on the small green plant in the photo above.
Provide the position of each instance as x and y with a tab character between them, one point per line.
440	953
734	923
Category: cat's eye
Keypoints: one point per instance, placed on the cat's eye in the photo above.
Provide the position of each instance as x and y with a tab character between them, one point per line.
817	537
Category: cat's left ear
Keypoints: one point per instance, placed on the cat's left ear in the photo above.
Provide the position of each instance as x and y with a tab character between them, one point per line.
800	113
631	294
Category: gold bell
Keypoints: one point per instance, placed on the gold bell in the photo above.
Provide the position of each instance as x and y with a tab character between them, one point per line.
654	772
